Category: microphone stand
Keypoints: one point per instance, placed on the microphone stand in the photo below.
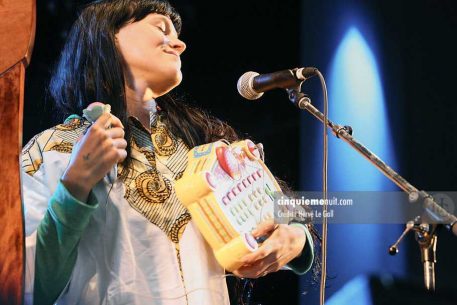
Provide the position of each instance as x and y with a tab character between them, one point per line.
426	237
425	233
427	245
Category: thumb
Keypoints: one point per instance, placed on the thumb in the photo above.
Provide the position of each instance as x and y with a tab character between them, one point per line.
264	228
104	121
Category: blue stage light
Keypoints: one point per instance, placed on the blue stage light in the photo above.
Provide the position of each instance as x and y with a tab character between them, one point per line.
356	98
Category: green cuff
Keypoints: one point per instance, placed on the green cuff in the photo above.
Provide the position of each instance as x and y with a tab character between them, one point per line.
58	236
303	263
69	211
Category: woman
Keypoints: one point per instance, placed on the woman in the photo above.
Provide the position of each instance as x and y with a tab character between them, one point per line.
90	241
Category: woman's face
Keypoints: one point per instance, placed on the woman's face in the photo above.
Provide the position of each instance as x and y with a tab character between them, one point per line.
151	51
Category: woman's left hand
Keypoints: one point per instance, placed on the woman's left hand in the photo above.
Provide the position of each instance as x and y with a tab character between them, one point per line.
284	243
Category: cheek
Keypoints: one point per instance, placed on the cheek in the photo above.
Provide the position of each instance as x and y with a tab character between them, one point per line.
136	47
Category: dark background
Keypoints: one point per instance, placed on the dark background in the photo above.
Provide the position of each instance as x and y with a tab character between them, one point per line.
415	48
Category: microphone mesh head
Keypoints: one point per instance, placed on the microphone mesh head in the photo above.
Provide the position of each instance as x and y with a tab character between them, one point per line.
245	87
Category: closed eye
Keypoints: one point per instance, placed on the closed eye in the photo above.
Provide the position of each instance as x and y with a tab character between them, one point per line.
162	29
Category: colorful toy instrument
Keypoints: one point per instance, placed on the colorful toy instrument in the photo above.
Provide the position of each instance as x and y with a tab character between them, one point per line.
228	190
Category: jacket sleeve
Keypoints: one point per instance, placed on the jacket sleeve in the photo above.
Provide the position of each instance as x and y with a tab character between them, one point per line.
303	263
58	235
54	222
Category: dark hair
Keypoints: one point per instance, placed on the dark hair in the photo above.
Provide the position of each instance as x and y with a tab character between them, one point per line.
81	77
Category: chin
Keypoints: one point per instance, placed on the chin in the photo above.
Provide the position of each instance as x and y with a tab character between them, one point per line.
168	84
178	78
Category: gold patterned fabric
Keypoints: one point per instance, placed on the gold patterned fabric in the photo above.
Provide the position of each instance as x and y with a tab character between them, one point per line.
60	138
157	160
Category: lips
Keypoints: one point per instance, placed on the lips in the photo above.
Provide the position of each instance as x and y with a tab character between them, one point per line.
172	52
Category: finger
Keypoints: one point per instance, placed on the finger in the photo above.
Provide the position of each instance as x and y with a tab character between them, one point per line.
116	132
122	154
272	268
120	143
264	228
237	273
115	122
114	156
244	272
260	267
266	249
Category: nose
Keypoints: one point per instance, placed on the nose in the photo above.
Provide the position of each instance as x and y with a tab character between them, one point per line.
178	45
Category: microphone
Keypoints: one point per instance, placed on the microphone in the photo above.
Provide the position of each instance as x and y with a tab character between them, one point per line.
252	85
92	113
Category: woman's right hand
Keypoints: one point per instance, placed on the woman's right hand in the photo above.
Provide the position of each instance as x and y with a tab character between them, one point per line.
94	155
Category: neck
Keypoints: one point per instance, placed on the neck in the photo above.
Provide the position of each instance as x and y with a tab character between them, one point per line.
138	104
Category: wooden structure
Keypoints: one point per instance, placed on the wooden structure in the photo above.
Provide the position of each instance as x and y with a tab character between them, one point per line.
17	33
